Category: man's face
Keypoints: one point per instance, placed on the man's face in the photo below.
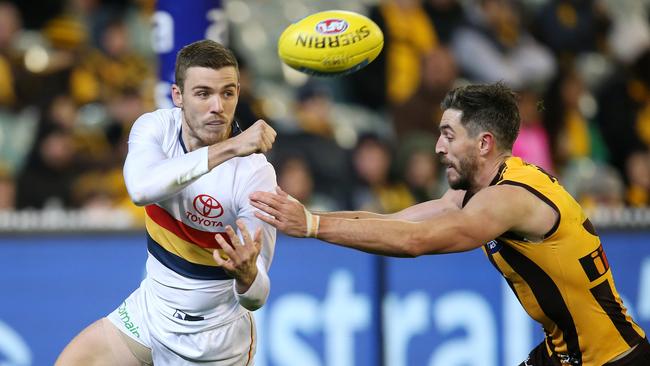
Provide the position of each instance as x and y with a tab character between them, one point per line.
458	151
208	101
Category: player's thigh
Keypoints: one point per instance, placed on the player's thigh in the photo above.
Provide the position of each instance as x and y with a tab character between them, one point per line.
100	344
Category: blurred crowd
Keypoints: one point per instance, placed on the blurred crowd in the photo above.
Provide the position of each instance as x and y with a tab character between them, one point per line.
73	82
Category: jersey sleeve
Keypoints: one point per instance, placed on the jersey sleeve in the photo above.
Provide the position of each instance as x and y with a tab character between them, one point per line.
150	175
262	179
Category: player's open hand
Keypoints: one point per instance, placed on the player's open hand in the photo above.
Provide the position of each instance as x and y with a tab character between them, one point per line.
284	212
241	262
258	138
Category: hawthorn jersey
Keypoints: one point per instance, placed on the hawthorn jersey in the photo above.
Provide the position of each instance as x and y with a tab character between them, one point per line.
186	206
564	282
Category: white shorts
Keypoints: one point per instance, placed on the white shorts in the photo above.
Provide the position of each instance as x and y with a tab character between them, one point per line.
143	319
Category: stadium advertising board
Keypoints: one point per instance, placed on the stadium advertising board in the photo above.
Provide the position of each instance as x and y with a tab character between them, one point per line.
323	309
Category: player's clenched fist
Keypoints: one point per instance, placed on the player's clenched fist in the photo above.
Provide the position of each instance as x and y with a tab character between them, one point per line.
258	138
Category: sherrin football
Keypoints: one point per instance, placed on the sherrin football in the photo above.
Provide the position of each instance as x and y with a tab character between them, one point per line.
330	43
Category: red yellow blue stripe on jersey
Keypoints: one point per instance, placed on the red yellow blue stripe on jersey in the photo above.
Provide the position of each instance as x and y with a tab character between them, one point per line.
181	248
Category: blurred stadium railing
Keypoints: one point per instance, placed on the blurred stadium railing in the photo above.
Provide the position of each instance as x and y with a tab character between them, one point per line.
53	220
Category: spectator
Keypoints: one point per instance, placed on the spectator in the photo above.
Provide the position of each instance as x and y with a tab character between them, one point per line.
638	174
496	47
594	184
394	76
622	117
48	176
104	73
446	16
314	138
376	189
7	190
572	131
419	167
421	112
295	178
10	28
249	107
570	27
533	143
629	34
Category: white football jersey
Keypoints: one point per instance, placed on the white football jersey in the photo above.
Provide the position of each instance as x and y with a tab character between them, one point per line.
186	205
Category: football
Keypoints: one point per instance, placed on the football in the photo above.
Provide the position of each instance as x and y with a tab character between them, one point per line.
330	43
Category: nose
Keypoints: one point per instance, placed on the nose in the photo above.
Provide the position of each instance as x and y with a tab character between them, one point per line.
440	148
216	105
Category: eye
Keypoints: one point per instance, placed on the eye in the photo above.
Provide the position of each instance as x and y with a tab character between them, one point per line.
229	93
202	94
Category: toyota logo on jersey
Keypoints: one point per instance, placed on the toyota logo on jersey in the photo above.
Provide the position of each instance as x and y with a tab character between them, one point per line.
207	206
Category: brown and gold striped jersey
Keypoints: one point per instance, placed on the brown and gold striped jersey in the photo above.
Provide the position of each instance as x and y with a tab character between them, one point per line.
564	282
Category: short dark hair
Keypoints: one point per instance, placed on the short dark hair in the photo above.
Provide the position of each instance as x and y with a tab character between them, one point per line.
487	107
205	53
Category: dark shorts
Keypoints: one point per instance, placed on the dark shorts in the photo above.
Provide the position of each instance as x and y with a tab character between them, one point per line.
639	357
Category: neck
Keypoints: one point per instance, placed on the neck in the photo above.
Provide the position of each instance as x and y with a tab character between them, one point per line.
491	169
191	143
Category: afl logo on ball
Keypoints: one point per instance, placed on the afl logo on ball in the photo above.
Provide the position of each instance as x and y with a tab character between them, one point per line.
331	26
207	206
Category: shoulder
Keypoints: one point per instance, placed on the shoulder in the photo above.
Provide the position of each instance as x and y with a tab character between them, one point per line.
157	126
161	118
507	205
252	173
517	170
253	164
258	160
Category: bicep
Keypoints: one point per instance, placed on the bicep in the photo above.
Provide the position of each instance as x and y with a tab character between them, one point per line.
492	212
423	211
149	173
140	157
144	150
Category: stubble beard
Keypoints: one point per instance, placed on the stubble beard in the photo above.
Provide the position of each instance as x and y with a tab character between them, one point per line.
205	137
466	169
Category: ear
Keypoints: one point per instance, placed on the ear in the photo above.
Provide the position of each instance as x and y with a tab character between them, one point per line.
177	96
487	143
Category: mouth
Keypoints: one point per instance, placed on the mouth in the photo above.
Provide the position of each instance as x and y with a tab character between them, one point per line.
447	164
217	123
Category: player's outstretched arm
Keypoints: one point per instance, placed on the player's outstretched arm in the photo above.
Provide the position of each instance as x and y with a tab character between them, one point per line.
490	213
422	211
298	218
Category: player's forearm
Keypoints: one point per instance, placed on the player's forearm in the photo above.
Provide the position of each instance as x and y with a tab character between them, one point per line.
221	152
385	237
151	178
398	238
351	214
419	212
423	211
254	295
